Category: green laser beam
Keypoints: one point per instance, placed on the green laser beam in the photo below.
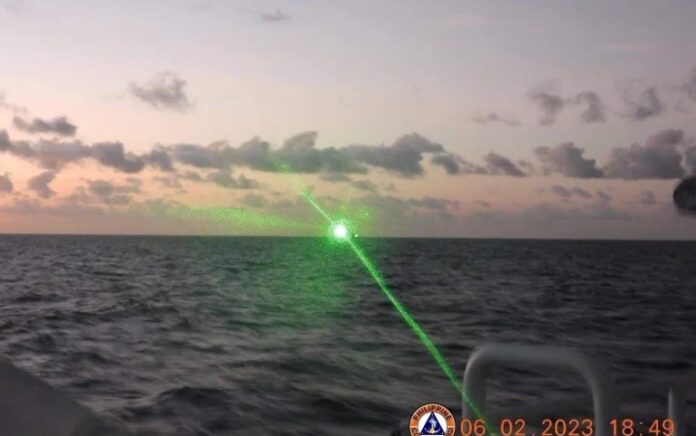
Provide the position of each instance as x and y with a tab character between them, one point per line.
243	218
400	308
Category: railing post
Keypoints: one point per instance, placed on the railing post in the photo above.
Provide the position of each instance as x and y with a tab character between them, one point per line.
487	356
676	409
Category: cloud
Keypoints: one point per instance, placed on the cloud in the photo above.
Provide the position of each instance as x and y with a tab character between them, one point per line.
659	158
549	101
568	160
334	177
39	184
163	91
440	205
690	159
603	197
254	200
580	192
450	162
59	126
224	179
398	212
191	175
159	158
560	191
684	196
54	155
595	111
170	181
493	118
6	185
15	109
364	185
645	105
647	198
113	155
114	194
403	157
690	85
299	154
602	211
196	155
567	194
498	164
276	16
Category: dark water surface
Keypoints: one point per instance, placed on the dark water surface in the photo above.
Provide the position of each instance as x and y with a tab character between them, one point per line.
198	336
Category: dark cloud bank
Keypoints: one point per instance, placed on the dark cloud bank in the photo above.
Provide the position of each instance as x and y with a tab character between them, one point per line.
666	155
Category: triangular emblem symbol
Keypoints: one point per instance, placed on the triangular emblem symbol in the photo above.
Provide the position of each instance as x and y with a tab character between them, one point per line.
432	427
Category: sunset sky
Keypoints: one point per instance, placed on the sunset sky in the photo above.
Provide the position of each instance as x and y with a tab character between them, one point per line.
570	119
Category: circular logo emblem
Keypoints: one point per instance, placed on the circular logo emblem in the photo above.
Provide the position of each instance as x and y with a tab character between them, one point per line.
432	420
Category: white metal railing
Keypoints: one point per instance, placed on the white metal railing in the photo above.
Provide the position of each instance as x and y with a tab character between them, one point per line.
604	396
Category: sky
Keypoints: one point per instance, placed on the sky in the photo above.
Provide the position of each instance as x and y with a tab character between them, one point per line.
540	119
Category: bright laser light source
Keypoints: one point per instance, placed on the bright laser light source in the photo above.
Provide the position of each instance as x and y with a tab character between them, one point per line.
339	231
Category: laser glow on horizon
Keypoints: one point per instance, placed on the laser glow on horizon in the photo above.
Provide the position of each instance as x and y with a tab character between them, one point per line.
340	231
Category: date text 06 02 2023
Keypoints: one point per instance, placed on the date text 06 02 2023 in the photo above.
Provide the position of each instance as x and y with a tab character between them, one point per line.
567	427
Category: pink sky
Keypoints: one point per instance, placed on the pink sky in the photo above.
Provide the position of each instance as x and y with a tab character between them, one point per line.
450	119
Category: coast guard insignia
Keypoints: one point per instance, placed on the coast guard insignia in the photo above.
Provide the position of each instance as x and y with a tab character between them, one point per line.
432	420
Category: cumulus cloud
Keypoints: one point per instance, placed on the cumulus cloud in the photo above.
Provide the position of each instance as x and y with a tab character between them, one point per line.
494	118
568	160
6	185
498	164
163	91
224	179
196	155
112	193
54	155
659	158
299	154
113	155
547	98
450	162
595	111
40	184
276	16
644	105
159	158
58	126
403	157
